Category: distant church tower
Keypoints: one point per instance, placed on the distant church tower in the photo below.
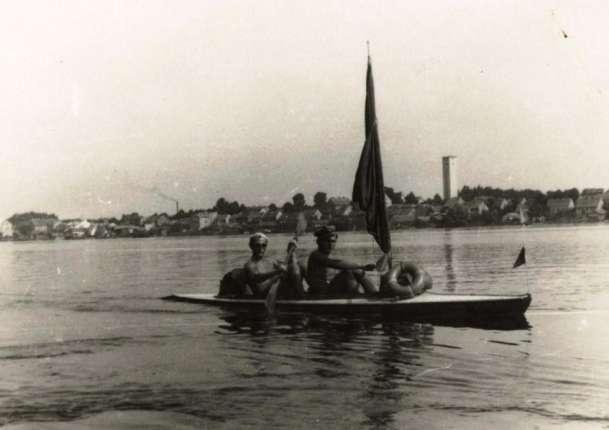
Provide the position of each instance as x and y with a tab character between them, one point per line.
449	176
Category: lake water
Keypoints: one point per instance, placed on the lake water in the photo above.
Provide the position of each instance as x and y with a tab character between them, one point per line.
85	341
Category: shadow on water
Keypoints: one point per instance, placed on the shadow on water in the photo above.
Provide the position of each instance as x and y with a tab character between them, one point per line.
259	323
388	359
381	363
402	349
388	349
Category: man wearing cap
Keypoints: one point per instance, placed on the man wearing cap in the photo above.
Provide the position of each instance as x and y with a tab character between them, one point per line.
262	273
333	276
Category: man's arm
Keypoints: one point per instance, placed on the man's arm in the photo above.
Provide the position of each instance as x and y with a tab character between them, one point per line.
339	264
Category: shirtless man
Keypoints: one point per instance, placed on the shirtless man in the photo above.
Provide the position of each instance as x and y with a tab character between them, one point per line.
262	272
332	276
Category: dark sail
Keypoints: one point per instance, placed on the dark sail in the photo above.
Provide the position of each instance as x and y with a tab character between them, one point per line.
369	188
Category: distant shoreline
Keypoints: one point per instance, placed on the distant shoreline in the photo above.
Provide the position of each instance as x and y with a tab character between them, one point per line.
362	231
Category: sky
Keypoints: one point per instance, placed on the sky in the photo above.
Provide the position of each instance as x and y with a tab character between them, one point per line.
111	107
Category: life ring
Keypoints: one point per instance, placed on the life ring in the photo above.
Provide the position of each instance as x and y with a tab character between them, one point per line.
405	280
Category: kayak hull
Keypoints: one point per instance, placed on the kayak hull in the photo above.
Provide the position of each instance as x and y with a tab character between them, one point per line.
425	306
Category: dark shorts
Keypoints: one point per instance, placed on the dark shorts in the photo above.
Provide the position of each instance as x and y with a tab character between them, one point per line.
337	286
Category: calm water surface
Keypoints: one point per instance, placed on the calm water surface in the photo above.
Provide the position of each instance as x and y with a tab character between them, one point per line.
85	341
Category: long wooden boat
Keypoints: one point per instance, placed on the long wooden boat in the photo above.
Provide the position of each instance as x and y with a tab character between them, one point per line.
425	306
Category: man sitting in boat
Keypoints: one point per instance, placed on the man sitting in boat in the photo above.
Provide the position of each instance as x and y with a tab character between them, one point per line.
261	273
333	276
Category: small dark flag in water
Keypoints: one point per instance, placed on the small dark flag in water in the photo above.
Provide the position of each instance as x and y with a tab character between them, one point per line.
521	259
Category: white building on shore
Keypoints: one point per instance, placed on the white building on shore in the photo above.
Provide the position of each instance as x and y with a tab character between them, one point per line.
6	229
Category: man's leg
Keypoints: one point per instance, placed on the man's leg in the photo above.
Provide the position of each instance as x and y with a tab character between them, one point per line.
291	283
364	281
344	283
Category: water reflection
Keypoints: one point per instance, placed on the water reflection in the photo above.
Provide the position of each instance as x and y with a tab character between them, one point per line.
451	278
343	327
401	350
378	367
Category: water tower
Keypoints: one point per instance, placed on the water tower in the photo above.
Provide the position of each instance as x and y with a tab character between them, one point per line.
449	176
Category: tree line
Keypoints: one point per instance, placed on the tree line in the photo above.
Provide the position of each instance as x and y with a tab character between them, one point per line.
536	201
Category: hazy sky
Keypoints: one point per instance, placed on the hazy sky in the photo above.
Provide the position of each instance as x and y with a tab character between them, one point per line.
111	107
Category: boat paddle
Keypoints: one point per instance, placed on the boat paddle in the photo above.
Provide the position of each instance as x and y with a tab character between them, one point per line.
271	297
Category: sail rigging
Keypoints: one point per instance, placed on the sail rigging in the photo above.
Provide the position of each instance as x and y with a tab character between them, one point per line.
369	186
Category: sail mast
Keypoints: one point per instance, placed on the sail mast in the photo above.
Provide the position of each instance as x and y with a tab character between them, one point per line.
369	186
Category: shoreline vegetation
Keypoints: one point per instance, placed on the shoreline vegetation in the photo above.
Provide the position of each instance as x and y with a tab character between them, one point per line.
474	207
